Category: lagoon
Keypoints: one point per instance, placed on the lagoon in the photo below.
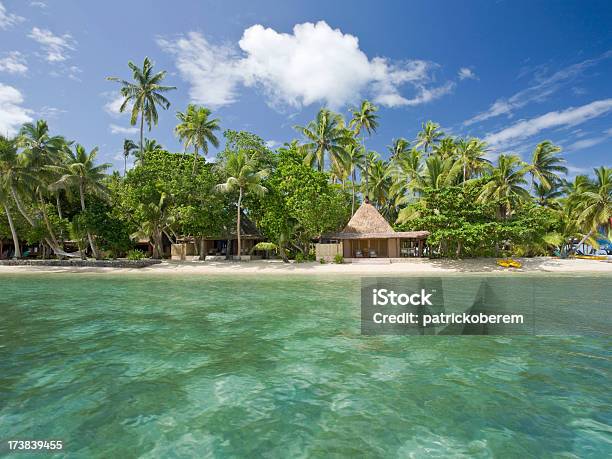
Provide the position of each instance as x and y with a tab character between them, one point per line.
245	366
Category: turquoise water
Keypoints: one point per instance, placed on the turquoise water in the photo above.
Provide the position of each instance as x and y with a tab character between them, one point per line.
248	367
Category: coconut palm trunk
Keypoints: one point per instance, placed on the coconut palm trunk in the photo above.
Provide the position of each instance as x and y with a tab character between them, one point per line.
13	232
573	249
92	244
20	206
58	204
354	177
238	223
142	138
195	160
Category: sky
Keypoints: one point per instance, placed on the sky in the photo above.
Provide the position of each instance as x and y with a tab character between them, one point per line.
514	73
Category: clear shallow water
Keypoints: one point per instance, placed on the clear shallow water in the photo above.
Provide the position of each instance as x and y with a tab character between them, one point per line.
244	367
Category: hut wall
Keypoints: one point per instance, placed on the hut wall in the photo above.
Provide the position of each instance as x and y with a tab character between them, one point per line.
327	252
393	248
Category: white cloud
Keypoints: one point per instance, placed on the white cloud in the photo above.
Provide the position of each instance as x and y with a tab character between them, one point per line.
8	19
583	144
466	73
313	64
113	104
39	4
537	92
12	114
568	117
13	62
56	47
115	129
49	112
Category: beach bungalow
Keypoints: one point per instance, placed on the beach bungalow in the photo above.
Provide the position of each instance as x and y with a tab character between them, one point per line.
222	246
369	235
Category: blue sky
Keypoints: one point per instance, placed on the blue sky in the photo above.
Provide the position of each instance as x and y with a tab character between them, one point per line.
512	72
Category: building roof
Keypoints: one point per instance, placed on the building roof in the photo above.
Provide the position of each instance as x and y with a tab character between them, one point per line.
367	220
368	223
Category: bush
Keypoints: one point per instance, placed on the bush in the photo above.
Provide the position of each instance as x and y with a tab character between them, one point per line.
338	259
322	261
299	257
135	255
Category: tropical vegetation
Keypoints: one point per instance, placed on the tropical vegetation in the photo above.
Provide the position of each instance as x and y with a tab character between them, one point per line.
57	197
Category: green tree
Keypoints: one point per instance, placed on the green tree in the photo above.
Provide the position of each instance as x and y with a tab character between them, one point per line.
546	165
81	172
470	156
364	121
398	148
8	154
505	184
595	203
145	94
244	177
197	129
128	147
429	135
324	136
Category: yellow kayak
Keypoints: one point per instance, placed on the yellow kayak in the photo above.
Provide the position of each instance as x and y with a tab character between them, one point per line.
592	257
509	263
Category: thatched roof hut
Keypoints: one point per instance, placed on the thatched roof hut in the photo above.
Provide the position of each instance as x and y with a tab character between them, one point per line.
368	234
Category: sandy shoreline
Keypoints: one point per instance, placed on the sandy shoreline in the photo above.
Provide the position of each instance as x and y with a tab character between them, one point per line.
483	266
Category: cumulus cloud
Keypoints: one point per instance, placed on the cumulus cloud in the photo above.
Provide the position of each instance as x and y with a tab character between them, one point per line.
313	64
56	47
13	62
12	113
8	19
543	87
466	73
569	117
115	129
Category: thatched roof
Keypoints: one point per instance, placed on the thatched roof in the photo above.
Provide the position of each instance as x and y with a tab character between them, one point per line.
367	220
367	223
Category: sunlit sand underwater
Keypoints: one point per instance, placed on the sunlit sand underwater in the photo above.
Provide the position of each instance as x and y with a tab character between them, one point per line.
230	366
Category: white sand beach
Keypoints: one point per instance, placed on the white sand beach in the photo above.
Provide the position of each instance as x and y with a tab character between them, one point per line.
486	266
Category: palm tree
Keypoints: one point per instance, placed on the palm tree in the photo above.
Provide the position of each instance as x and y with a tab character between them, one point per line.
398	148
197	129
355	156
595	203
39	147
505	184
364	120
145	94
470	157
128	147
324	135
548	197
81	172
429	135
242	176
39	150
8	153
545	164
157	221
446	148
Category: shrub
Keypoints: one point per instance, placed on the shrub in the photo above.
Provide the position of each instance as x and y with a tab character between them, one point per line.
338	259
322	261
299	257
135	255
